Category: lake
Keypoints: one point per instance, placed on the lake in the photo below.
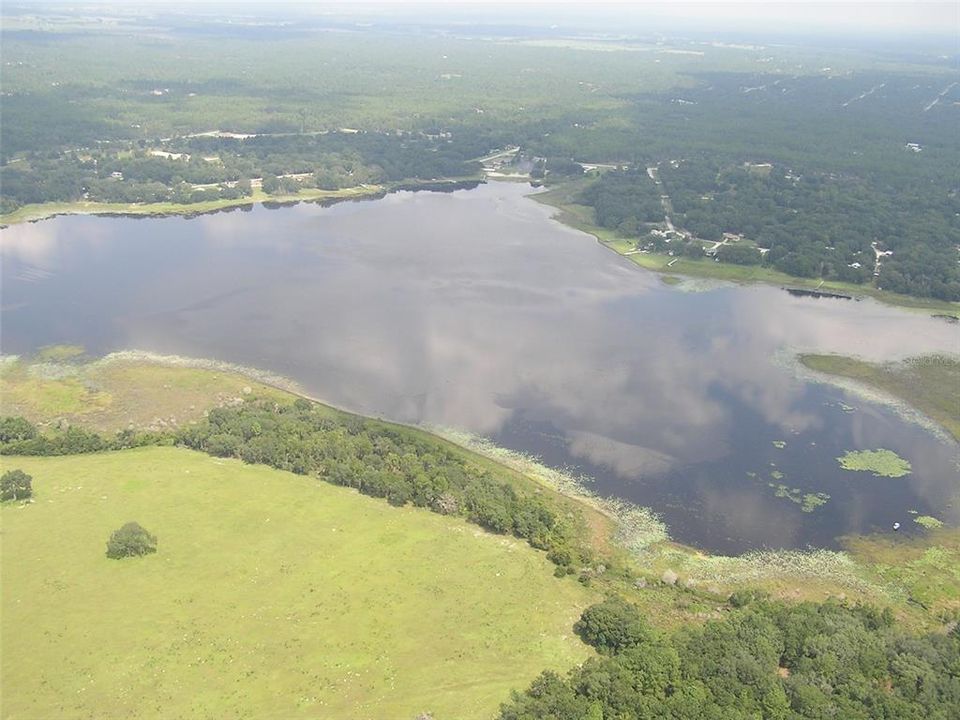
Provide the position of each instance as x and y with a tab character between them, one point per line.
477	310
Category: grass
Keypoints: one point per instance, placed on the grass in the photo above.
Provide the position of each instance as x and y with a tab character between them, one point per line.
882	462
927	567
272	595
35	397
121	391
931	384
59	353
563	197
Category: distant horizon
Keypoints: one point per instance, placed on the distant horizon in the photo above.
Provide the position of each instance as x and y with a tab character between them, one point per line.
855	19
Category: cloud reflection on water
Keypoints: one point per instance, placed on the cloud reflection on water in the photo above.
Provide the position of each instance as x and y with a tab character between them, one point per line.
471	310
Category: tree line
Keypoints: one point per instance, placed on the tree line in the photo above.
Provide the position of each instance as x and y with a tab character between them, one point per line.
374	458
764	660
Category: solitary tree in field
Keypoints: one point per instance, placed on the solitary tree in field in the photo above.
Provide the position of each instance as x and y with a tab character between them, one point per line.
15	485
132	540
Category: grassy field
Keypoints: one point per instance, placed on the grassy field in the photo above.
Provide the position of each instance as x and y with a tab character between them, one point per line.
42	211
272	595
563	197
930	384
927	567
115	394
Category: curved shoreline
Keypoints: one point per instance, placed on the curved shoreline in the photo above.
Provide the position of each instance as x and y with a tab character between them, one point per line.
624	533
666	266
903	409
637	530
871	392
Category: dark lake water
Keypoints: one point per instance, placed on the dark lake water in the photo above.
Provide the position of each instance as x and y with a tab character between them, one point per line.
476	310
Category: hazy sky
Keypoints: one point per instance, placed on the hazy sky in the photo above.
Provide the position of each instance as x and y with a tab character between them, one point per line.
942	18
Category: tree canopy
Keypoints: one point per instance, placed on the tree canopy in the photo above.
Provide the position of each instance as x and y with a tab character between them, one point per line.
131	540
767	660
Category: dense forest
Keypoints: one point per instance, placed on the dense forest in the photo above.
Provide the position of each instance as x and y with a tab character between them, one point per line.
766	660
813	225
625	200
814	169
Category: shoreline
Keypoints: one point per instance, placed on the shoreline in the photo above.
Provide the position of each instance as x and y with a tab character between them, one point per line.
664	265
569	215
626	533
869	389
45	211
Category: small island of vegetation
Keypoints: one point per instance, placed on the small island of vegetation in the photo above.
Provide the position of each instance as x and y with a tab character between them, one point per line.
882	463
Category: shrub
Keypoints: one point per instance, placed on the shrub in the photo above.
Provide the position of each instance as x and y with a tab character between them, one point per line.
15	485
132	540
16	428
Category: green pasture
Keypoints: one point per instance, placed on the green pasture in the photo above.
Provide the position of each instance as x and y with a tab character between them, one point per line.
271	595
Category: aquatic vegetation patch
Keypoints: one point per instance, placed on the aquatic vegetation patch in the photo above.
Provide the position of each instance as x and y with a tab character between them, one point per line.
783	490
49	370
127	389
811	501
923	390
777	475
818	565
881	462
779	444
928	521
808	502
